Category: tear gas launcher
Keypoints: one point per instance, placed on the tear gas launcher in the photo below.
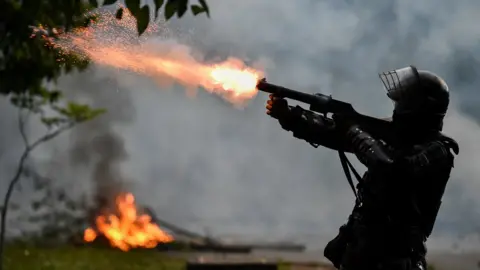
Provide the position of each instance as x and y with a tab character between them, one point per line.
325	105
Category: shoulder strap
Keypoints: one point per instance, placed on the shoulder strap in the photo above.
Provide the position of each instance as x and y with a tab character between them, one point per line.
347	166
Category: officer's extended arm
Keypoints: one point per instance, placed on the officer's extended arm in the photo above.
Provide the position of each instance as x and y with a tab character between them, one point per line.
305	124
373	154
313	128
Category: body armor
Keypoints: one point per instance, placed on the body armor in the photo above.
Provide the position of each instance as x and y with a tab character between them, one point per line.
400	193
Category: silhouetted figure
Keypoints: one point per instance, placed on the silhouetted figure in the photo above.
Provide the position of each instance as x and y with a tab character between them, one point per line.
400	194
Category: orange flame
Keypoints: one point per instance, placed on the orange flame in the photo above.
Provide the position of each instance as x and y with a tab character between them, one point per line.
115	43
128	229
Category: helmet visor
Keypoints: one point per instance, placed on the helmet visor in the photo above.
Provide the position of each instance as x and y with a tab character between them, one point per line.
397	82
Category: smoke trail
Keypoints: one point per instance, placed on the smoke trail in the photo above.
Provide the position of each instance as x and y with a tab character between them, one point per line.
114	43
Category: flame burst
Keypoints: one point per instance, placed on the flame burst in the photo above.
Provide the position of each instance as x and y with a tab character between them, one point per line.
114	43
127	229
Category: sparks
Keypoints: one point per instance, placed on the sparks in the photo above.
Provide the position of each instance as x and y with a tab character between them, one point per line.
115	43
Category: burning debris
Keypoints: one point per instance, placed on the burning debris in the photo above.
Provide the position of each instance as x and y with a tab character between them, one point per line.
125	228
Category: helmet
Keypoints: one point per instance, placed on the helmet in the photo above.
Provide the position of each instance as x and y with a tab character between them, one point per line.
419	96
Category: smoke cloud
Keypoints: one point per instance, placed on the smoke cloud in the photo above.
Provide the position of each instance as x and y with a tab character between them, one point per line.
201	163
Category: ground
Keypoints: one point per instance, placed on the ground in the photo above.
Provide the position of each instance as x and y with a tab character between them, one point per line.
86	258
21	257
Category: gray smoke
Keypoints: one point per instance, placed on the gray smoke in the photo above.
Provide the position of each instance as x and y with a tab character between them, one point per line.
201	163
97	145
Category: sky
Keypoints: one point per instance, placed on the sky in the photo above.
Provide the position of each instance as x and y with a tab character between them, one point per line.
208	166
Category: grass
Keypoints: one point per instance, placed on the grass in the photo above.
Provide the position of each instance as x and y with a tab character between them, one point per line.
24	257
28	257
19	257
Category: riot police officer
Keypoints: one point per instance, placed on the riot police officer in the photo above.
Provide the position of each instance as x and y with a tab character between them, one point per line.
401	192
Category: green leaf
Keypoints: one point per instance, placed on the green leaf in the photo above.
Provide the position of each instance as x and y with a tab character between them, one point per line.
170	9
182	7
158	5
55	96
143	18
52	121
119	14
109	2
78	112
133	6
93	3
204	5
196	9
94	113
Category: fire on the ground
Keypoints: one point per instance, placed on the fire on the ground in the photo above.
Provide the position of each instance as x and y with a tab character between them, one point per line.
128	229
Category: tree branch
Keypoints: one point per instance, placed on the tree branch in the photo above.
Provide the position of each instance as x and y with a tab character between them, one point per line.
6	201
21	126
21	164
49	136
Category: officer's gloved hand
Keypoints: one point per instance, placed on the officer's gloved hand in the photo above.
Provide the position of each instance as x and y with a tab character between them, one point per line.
343	123
278	108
